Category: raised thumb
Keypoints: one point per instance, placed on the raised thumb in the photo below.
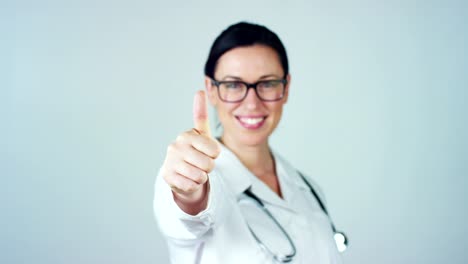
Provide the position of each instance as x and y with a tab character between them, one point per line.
200	114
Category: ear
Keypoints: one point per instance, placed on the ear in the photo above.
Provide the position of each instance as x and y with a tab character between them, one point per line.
211	91
286	89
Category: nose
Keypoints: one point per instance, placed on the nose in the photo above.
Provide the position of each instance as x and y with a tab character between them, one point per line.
251	100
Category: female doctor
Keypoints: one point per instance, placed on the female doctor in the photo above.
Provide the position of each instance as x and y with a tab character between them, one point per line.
233	199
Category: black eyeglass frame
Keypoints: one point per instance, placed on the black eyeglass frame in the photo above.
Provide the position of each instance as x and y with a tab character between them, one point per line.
250	85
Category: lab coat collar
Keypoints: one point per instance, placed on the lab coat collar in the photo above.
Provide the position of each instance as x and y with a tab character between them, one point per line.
290	174
235	175
291	183
298	187
238	178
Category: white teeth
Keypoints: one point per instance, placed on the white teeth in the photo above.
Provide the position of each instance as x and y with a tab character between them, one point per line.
251	121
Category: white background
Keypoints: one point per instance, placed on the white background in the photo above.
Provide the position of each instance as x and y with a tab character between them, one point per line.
92	92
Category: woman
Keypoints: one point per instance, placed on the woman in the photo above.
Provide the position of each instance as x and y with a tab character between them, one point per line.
233	199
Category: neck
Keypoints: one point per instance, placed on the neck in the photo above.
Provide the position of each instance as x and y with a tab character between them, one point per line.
256	158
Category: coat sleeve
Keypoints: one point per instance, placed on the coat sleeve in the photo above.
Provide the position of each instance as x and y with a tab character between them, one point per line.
179	227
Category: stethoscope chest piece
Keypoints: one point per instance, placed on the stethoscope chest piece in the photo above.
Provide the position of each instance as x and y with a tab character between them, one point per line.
341	241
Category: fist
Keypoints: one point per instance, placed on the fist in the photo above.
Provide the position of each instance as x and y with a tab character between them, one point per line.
190	158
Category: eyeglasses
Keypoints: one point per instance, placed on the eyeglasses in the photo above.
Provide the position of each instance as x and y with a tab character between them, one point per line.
236	91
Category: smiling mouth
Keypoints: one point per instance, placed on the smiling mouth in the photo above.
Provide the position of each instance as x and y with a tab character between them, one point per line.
251	122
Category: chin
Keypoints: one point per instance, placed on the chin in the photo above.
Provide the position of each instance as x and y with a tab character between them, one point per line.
249	140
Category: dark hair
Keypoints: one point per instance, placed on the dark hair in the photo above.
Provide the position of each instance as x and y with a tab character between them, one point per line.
244	34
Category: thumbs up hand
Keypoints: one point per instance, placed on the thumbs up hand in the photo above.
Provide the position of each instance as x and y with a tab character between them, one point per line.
189	160
200	114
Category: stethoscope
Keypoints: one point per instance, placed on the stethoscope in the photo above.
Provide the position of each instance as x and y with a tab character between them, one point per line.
340	238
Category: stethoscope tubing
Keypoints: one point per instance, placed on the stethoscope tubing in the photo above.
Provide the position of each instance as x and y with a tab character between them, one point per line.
281	258
288	258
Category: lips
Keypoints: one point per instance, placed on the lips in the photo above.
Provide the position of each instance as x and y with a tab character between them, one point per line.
251	122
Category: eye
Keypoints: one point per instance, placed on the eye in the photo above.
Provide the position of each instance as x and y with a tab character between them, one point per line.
233	85
269	84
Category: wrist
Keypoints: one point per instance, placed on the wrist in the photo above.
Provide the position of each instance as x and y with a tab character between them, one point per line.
195	202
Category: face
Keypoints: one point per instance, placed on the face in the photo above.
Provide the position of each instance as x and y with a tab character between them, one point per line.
251	121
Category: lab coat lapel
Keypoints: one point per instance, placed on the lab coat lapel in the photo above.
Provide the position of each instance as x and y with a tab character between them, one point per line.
234	174
292	185
238	178
266	194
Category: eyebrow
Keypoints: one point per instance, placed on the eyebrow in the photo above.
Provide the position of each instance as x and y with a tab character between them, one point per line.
232	77
240	79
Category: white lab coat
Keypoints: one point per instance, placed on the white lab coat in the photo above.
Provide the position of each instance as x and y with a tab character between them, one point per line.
219	234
